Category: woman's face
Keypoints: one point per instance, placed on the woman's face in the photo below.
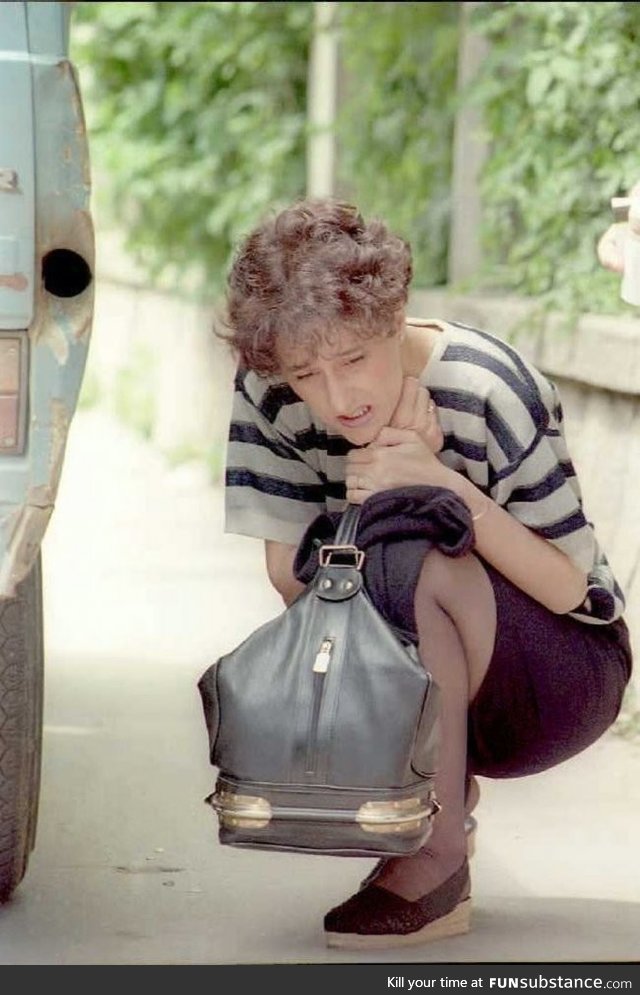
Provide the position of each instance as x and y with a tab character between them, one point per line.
352	384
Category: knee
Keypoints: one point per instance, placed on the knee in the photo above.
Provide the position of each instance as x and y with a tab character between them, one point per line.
441	575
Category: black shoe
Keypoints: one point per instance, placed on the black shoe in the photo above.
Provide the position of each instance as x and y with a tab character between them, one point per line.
374	917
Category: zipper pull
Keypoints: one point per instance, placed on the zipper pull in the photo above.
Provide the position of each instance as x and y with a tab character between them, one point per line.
323	656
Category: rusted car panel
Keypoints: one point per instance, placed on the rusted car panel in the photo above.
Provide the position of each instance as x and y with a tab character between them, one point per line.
46	271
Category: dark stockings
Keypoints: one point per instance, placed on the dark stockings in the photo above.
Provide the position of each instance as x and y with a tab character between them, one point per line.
456	619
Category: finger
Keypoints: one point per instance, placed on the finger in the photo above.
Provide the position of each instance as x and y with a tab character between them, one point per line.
427	409
356	495
435	434
358	458
390	436
358	488
404	413
358	481
352	481
424	409
427	422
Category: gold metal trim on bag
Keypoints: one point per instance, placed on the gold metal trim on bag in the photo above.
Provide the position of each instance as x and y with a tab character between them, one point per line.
403	816
241	811
324	555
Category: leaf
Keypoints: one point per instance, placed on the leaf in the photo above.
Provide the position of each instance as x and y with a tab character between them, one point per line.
538	83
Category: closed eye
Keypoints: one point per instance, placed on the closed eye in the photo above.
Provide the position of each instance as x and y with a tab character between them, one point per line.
354	359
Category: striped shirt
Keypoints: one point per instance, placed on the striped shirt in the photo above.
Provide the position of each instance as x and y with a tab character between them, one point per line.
503	430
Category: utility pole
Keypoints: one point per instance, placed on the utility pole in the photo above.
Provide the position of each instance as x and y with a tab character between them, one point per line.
469	152
323	102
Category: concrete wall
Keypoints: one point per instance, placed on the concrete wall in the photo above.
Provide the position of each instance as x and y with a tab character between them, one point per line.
165	343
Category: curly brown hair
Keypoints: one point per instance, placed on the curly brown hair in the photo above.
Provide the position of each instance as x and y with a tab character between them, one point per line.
314	268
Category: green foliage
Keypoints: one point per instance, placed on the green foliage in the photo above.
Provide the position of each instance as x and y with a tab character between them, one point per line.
197	120
196	115
396	123
561	107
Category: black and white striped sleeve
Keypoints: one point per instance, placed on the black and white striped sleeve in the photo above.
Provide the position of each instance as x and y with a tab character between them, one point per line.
533	477
272	488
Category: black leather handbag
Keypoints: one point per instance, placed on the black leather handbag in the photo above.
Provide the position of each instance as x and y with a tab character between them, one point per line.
323	724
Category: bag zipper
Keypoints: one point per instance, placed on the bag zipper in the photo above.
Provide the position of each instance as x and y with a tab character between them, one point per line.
320	668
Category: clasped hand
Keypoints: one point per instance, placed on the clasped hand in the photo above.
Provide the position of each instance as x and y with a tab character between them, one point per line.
404	452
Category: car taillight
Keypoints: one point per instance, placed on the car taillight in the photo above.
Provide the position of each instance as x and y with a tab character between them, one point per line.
13	392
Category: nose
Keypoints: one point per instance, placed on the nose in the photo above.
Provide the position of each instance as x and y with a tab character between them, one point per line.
338	395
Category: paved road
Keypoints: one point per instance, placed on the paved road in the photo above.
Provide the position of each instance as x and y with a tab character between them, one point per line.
142	592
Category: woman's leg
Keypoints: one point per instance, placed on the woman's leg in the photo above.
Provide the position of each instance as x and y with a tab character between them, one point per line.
456	620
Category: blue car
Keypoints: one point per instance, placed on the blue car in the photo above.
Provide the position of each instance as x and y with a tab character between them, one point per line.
46	312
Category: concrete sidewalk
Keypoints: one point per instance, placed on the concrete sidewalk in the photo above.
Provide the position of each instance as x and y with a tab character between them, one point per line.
143	591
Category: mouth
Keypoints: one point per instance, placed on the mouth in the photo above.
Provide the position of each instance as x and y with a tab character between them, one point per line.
359	417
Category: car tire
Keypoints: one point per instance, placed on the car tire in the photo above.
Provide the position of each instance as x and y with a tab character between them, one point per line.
21	706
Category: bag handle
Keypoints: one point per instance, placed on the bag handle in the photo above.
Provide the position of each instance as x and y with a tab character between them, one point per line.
348	526
343	545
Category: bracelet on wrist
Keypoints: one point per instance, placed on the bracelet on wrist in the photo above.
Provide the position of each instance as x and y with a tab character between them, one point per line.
479	514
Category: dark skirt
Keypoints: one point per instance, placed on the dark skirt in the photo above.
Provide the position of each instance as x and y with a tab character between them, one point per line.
554	685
